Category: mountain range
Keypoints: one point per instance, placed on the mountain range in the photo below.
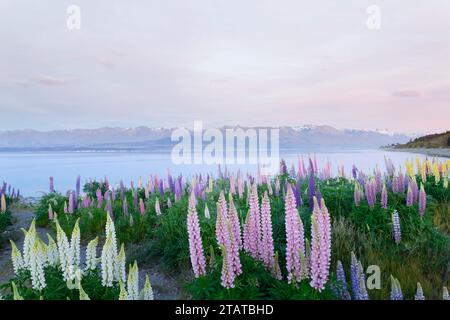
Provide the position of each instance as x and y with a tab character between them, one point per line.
147	138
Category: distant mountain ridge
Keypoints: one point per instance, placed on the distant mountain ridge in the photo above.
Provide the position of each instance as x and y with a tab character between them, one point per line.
147	138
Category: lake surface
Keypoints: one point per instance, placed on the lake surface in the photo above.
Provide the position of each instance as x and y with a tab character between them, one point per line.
30	171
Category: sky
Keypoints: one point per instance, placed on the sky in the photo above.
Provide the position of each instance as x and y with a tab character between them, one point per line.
225	62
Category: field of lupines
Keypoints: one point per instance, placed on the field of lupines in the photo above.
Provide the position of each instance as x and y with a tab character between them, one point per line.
304	234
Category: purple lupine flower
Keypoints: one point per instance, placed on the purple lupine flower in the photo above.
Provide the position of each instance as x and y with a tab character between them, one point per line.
422	201
354	172
78	186
169	203
401	183
320	246
311	187
357	194
342	289
384	197
409	197
267	253
233	218
99	196
354	277
113	194
298	194
195	241
419	293
177	190
396	227
396	290
415	190
52	186
363	295
161	187
295	243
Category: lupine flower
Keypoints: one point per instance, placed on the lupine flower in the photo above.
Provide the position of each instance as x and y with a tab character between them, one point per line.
371	194
283	167
169	203
91	255
363	295
52	187
320	246
142	207
311	187
384	197
75	243
195	241
253	227
341	290
409	197
119	265
109	267
419	293
422	201
16	258
233	218
294	238
37	267
396	227
147	291
64	252
445	295
157	207
267	253
228	275
70	208
133	282
357	194
396	290
52	251
354	277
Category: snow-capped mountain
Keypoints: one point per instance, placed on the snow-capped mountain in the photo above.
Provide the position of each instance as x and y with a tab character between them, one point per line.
309	136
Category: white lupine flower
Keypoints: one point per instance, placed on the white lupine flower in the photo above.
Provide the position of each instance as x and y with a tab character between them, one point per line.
107	264
445	295
28	243
120	265
91	255
133	282
75	278
147	291
16	258
42	251
52	251
75	243
123	295
64	252
37	267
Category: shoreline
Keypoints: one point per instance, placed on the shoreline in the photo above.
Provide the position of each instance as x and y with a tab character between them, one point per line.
434	152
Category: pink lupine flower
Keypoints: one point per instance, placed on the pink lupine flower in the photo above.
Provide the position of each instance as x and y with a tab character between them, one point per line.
195	241
221	220
71	201
169	203
142	207
320	246
267	253
254	225
422	201
228	276
234	221
98	193
295	243
233	250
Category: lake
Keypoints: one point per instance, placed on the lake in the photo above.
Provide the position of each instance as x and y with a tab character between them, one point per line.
30	171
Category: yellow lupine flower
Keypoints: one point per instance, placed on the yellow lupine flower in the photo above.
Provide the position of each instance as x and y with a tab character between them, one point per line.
437	175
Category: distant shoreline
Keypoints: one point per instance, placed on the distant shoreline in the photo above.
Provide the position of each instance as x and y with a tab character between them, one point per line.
444	152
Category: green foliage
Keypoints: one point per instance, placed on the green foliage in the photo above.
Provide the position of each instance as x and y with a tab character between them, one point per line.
56	200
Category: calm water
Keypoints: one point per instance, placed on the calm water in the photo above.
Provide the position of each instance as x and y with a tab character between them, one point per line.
30	171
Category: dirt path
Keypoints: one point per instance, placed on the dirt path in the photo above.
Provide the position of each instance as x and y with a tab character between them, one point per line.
164	287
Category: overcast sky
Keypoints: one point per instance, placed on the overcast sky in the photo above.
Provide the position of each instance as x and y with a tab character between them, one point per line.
253	62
